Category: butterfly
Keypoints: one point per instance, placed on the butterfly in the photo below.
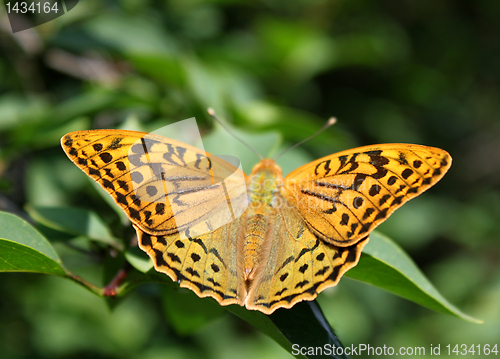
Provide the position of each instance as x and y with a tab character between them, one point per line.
262	241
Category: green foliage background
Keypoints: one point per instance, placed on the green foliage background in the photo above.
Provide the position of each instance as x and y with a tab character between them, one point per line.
390	71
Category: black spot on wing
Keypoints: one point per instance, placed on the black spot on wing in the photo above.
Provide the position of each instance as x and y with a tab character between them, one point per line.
381	173
179	244
121	198
402	159
280	292
106	157
357	202
301	284
217	255
94	172
285	262
145	240
109	173
151	190
134	213
303	268
121	166
322	271
384	199
382	214
331	210
160	208
358	181
115	144
373	153
397	200
392	180
107	184
195	257
217	284
162	240
407	173
378	161
326	167
192	272
180	153
160	261
374	190
122	184
136	177
196	240
368	213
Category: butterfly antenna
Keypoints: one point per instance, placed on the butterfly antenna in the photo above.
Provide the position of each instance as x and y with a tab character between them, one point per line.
211	112
331	121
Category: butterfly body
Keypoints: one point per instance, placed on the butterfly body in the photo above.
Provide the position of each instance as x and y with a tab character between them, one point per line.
263	186
262	241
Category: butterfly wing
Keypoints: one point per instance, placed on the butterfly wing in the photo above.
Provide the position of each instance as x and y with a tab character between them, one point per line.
344	196
206	264
299	266
164	186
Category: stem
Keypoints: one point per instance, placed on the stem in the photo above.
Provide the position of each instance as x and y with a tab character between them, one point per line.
111	290
94	289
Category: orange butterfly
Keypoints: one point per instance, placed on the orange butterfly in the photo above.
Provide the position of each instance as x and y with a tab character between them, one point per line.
262	241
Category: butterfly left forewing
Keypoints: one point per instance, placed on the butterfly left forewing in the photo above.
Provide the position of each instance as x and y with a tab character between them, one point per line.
164	186
344	196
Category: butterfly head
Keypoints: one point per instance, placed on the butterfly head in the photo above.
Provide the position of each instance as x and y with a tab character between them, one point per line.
267	165
265	180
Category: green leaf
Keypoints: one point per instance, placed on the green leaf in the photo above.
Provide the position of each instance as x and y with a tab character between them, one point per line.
109	200
132	35
305	326
264	324
138	259
302	326
384	264
76	221
23	249
187	312
17	230
15	257
284	326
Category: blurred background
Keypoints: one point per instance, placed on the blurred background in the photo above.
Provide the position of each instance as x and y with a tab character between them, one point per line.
390	71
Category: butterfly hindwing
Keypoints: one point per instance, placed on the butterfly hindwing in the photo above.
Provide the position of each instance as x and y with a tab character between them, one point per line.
344	196
205	264
300	265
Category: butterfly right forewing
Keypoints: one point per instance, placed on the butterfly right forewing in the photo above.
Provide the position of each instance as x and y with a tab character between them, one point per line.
343	197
